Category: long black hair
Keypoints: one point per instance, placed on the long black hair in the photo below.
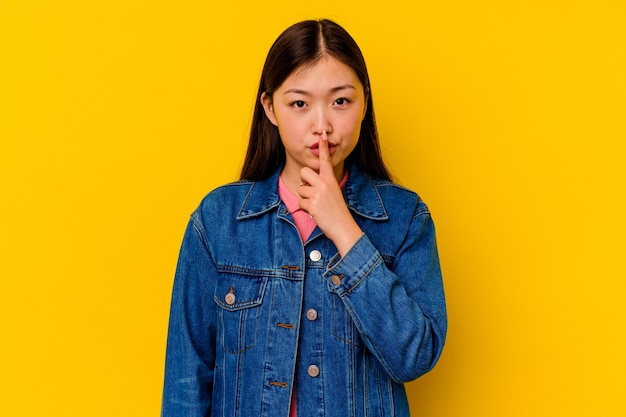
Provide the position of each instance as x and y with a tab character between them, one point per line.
301	45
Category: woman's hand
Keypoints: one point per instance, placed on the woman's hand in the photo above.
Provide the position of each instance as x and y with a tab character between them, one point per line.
321	197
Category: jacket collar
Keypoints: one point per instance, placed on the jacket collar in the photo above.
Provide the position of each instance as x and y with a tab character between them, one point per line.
360	192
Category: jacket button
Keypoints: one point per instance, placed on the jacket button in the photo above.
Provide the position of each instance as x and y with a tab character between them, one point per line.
315	255
336	279
230	298
313	371
311	314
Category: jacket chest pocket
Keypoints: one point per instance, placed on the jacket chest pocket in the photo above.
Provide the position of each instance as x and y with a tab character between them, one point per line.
240	298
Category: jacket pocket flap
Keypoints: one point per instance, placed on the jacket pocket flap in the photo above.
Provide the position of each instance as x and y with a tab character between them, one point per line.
236	292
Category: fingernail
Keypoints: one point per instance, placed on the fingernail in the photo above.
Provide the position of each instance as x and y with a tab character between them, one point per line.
325	135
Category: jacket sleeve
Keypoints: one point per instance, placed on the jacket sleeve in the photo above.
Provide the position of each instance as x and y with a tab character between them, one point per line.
399	311
190	354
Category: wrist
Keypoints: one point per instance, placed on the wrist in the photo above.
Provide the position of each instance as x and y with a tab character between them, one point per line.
346	239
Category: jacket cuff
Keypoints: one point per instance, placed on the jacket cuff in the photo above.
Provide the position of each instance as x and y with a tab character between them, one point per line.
344	274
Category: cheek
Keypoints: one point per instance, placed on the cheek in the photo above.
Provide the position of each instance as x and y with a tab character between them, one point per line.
287	123
351	125
288	129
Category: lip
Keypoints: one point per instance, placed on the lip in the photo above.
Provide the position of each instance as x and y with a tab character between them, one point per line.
315	148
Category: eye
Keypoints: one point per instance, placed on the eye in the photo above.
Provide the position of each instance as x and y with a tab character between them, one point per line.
298	103
342	101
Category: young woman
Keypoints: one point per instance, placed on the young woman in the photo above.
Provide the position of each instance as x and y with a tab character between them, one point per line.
312	286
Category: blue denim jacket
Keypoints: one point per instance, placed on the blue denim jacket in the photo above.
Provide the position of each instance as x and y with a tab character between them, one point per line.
256	312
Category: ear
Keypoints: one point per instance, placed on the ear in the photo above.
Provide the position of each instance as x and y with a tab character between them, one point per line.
266	102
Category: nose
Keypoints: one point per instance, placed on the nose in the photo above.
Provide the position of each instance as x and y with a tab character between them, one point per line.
321	121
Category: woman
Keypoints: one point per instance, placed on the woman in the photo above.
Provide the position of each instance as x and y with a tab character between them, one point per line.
312	286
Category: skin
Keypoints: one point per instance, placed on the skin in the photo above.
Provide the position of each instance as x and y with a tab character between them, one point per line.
318	111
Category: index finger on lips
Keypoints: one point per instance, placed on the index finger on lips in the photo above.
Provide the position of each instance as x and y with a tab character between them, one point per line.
326	166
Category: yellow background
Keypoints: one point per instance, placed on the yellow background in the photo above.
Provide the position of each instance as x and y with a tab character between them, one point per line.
509	118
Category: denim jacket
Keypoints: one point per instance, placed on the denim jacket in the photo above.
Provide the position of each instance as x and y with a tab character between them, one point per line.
255	312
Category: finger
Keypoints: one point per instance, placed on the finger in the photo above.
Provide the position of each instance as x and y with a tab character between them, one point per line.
307	177
304	191
326	166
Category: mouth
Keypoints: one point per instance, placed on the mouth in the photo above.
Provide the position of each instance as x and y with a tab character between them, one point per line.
315	148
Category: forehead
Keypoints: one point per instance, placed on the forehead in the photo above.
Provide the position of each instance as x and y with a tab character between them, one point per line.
326	71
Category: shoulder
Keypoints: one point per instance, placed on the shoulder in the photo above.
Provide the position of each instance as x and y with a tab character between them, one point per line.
226	200
230	190
381	199
240	200
395	196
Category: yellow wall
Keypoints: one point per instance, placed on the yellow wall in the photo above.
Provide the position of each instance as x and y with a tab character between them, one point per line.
509	118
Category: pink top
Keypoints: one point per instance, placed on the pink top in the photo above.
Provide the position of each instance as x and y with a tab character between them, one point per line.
305	225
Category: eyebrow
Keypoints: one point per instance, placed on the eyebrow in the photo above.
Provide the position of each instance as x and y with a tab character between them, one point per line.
332	90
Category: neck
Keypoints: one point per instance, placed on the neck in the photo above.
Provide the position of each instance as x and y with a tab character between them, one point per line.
291	177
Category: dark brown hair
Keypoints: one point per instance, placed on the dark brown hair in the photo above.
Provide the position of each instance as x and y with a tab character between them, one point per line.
301	45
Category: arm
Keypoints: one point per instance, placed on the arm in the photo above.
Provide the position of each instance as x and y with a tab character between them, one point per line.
191	337
400	313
